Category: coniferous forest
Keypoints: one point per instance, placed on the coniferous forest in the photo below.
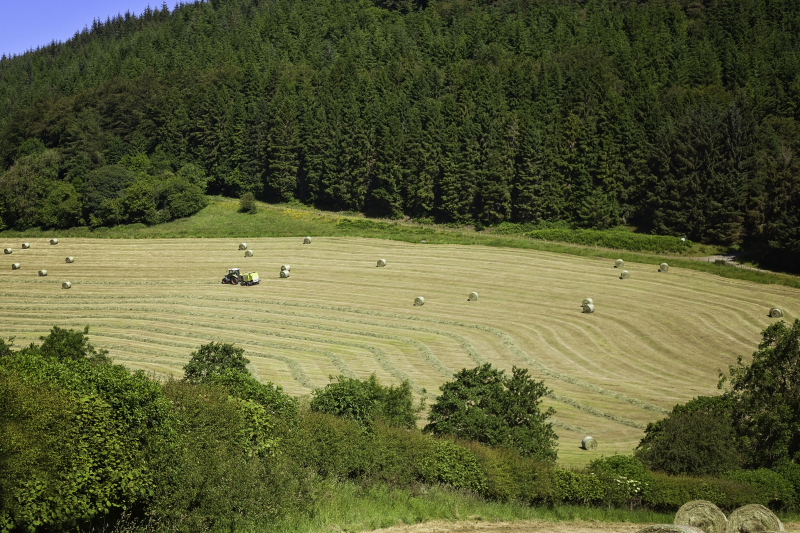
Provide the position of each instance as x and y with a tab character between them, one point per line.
678	117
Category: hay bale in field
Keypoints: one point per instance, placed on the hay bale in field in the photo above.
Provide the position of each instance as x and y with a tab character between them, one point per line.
419	300
7	251
66	285
248	253
619	263
663	267
381	262
775	312
243	246
473	297
287	268
624	275
26	245
307	240
423	241
284	273
669	528
43	272
69	259
589	443
588	308
703	515
53	241
14	266
587	301
753	518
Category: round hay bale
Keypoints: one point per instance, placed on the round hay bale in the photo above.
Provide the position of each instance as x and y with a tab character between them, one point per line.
619	263
248	253
69	259
26	245
7	251
473	297
775	312
703	515
381	262
53	241
588	308
753	518
587	301
589	443
284	273
243	246
419	300
624	275
663	267
287	268
43	272
66	285
424	241
14	266
669	528
307	240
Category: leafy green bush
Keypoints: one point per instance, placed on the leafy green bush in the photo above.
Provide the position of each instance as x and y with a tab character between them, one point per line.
791	473
577	487
246	387
364	401
667	493
64	458
772	487
485	405
330	446
215	358
448	463
509	476
247	203
619	239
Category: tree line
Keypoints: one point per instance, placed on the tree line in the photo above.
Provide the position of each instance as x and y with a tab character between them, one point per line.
679	117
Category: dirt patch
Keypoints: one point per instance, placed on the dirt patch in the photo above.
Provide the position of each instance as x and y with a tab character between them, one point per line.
528	526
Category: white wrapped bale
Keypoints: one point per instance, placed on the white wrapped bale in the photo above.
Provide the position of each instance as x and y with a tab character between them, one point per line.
776	312
663	267
243	246
66	285
703	515
284	273
248	253
619	263
307	240
69	259
43	272
7	251
753	518
53	241
624	275
26	245
587	301
419	300
588	308
287	268
15	266
473	297
589	443
381	262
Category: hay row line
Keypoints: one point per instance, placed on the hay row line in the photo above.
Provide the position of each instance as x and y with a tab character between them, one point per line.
570	427
377	352
504	337
596	412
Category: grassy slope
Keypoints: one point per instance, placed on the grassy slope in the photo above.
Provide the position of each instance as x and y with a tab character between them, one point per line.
222	219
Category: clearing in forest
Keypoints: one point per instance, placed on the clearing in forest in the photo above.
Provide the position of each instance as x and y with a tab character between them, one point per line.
655	339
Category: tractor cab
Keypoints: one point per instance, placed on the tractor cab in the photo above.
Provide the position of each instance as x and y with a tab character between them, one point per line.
233	276
251	278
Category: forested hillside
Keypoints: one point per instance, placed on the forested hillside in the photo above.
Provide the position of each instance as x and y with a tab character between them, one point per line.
680	117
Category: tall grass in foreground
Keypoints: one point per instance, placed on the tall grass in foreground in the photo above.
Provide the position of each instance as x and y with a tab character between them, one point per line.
350	507
222	219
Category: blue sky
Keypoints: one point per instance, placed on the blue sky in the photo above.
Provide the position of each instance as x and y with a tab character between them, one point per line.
31	23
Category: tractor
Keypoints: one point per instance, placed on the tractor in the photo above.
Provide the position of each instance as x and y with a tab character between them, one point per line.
233	277
251	278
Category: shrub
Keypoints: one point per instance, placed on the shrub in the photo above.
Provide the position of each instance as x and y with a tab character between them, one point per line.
772	487
791	473
247	203
667	493
450	464
68	344
215	359
330	446
485	405
246	387
64	458
577	488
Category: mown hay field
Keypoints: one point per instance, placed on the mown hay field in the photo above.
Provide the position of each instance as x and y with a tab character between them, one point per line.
654	340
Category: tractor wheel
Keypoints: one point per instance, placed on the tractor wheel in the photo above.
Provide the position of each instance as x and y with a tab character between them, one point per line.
225	281
235	281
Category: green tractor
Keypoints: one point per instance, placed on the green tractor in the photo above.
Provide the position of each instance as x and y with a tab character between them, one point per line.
233	277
